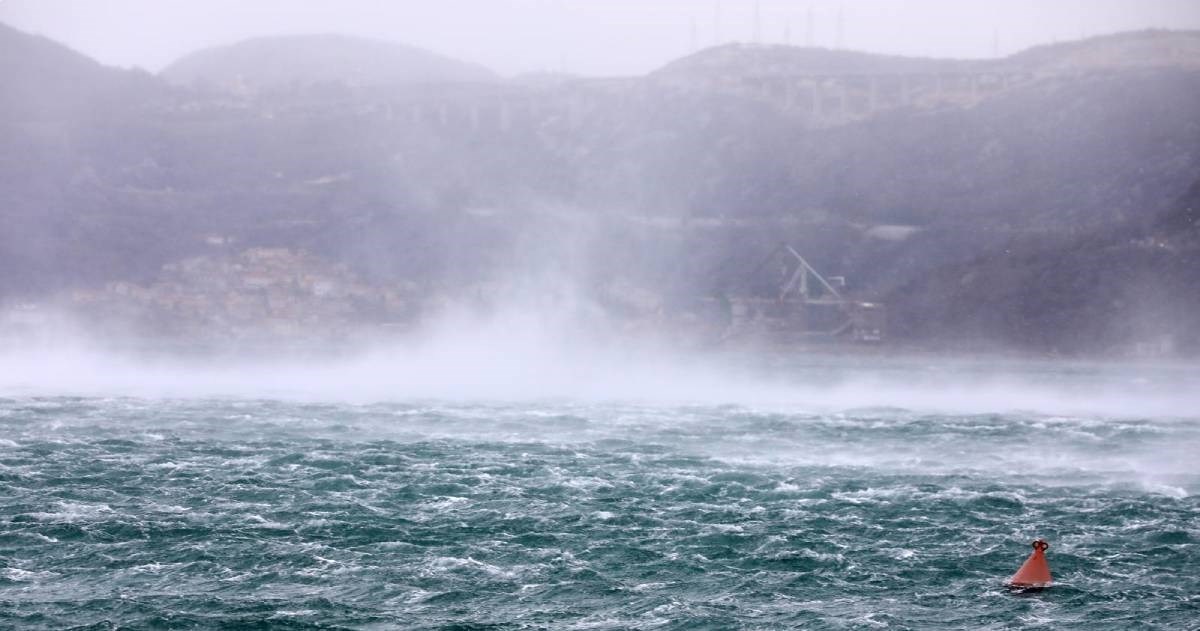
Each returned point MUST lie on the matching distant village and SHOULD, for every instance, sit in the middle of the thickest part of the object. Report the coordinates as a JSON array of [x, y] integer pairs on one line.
[[279, 298], [260, 296]]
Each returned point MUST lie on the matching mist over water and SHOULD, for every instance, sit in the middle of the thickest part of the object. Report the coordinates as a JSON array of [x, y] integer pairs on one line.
[[526, 470], [523, 354], [524, 367]]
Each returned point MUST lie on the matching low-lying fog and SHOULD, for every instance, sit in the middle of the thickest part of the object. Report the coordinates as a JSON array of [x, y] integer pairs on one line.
[[520, 354]]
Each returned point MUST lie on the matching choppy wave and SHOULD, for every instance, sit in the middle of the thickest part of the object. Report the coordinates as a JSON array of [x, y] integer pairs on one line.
[[146, 513]]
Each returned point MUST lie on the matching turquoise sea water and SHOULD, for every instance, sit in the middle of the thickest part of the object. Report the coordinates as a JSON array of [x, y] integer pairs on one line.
[[199, 511]]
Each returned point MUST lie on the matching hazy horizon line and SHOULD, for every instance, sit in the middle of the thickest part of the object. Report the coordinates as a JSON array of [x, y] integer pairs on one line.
[[503, 75]]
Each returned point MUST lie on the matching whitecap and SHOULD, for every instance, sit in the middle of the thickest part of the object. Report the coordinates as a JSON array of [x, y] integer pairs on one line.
[[25, 576], [645, 587], [73, 511], [264, 522]]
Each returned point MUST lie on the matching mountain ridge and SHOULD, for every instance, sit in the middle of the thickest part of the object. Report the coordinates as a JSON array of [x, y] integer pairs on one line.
[[280, 61], [1141, 48], [651, 185]]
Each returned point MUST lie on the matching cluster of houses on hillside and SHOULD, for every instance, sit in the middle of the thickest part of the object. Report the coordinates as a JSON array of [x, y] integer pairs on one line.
[[259, 295], [280, 298]]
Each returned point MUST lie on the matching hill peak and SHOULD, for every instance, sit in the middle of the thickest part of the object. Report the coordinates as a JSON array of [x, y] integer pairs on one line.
[[272, 62], [1121, 50], [796, 60]]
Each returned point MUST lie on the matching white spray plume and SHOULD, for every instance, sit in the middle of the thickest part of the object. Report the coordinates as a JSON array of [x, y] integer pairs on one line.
[[524, 354]]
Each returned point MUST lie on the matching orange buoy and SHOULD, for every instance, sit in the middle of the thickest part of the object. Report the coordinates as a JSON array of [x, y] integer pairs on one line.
[[1035, 572]]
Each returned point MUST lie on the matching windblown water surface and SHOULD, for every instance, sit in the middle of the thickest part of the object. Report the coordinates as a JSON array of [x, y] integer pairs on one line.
[[896, 497]]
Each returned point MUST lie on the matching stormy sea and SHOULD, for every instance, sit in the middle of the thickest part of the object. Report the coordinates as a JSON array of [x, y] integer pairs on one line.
[[821, 494]]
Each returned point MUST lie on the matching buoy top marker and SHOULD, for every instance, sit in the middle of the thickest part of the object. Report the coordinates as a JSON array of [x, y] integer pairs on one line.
[[1035, 572]]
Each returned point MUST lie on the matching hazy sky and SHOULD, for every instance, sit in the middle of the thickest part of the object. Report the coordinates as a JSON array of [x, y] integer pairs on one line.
[[587, 36]]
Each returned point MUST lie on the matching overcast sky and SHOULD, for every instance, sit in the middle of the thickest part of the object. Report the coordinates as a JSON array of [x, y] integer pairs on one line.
[[592, 37]]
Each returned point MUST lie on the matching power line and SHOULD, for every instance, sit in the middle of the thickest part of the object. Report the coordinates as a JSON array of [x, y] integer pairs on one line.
[[808, 30], [717, 23], [840, 41], [757, 39]]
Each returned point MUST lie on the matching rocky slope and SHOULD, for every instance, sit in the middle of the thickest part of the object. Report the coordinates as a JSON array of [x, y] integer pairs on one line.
[[1131, 287]]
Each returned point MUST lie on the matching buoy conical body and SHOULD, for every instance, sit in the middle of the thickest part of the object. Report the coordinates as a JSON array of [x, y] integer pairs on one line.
[[1035, 572]]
